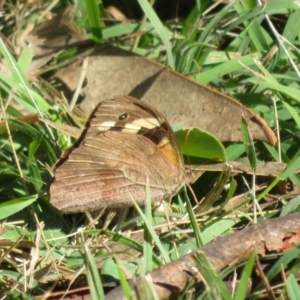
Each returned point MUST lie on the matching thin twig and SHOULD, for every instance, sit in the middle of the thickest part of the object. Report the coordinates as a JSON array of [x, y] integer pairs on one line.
[[80, 82], [280, 40]]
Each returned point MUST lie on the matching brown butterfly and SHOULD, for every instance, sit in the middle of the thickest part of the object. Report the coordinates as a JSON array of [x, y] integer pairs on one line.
[[125, 146]]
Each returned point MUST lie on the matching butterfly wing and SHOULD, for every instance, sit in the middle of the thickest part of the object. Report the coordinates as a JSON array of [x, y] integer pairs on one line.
[[114, 161]]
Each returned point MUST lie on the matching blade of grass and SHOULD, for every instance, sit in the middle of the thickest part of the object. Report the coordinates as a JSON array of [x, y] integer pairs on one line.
[[93, 12], [210, 27], [155, 21], [92, 273], [193, 220], [290, 207], [258, 36], [11, 207], [292, 166], [292, 287], [217, 288], [242, 289], [220, 70], [151, 230], [21, 82], [124, 283]]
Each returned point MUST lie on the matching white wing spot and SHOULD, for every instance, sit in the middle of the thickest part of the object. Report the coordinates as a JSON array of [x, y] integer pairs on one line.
[[136, 125], [105, 126]]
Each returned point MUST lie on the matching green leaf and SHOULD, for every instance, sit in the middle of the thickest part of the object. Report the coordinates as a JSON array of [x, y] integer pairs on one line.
[[200, 144], [11, 207]]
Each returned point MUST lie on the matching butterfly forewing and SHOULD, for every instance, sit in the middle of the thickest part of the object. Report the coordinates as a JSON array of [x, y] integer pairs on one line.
[[125, 146]]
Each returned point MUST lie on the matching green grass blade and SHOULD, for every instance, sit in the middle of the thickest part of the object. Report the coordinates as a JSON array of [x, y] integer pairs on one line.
[[292, 287], [92, 273], [151, 230], [93, 12], [220, 70], [19, 81], [217, 288], [275, 86], [124, 283], [253, 28], [290, 207], [292, 166], [242, 289], [210, 27], [11, 207], [152, 16], [194, 224]]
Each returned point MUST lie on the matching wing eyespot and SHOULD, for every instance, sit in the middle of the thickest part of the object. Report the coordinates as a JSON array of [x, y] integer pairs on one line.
[[123, 117]]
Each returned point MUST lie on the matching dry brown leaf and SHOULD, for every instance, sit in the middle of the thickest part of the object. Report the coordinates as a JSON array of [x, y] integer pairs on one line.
[[52, 37], [113, 71], [29, 119], [114, 13]]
